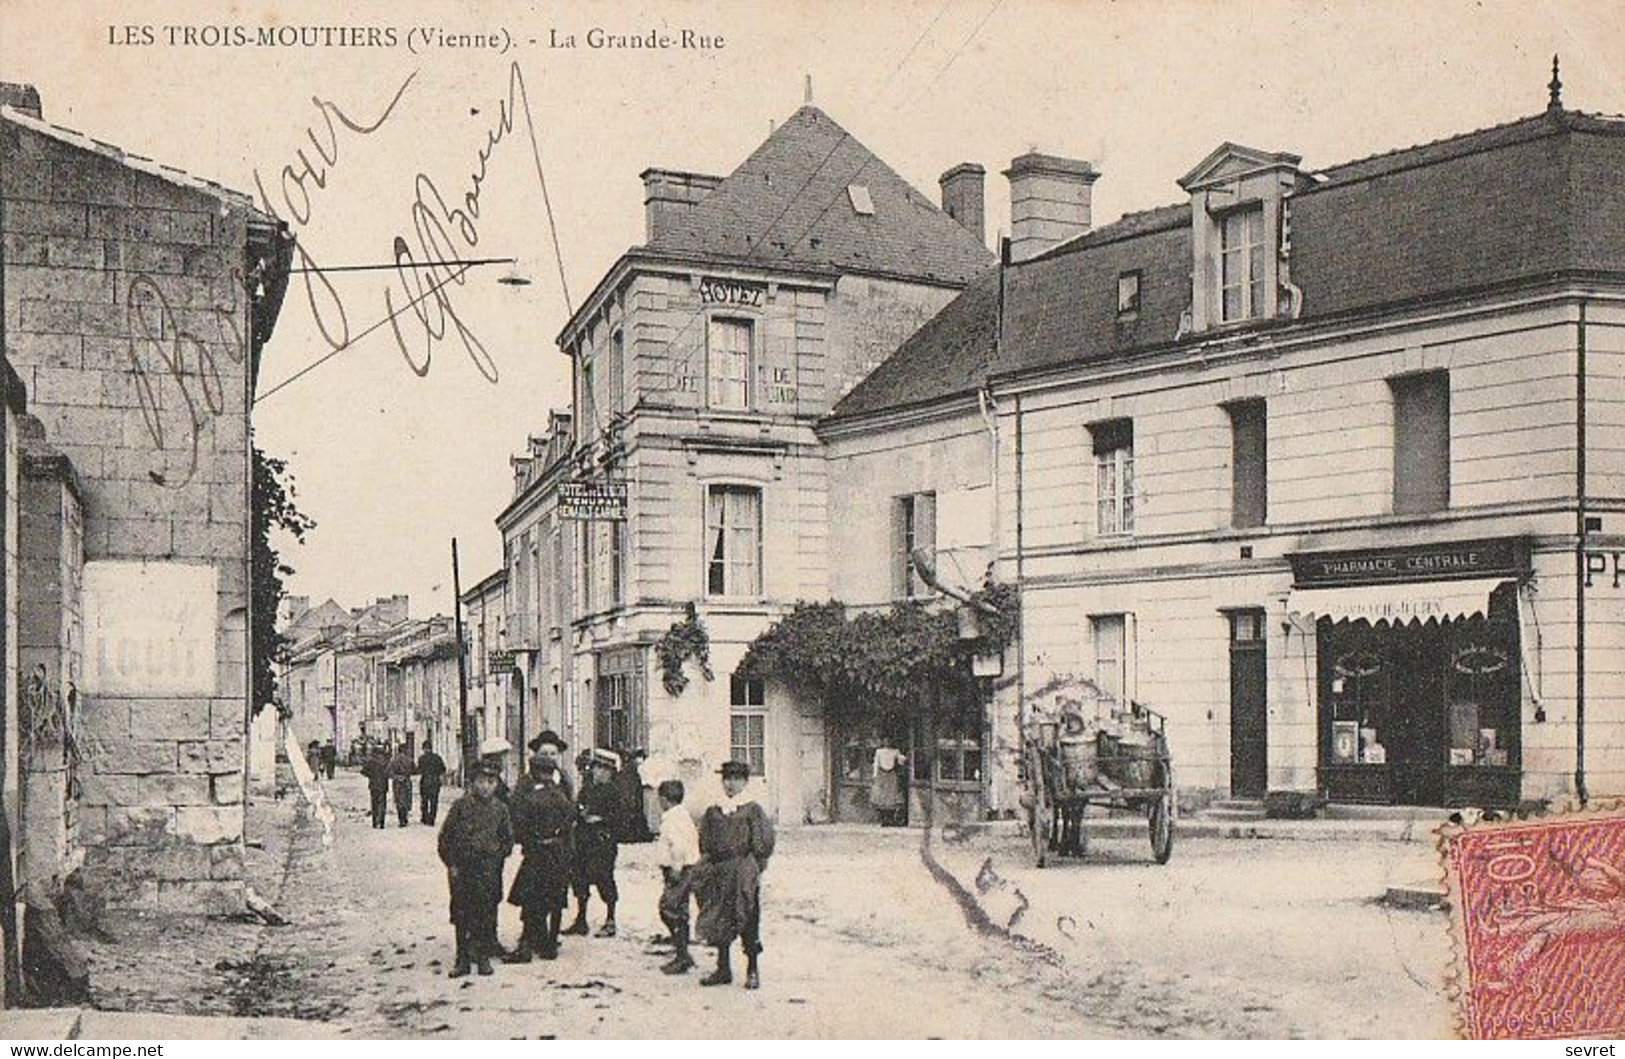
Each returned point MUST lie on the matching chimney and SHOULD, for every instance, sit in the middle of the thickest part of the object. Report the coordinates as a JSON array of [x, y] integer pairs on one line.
[[1049, 202], [962, 197], [668, 195], [21, 97]]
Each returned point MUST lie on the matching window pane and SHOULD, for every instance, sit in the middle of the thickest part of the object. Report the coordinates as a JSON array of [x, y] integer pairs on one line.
[[1248, 463], [1421, 442], [728, 363]]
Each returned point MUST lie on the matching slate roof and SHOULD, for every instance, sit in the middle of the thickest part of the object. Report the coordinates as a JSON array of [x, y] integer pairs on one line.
[[788, 204], [946, 357], [1523, 201]]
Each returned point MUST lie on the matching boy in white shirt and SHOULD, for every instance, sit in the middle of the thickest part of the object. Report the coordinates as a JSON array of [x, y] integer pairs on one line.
[[678, 847]]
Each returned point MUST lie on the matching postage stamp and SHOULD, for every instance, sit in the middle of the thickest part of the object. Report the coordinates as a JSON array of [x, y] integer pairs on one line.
[[1538, 919]]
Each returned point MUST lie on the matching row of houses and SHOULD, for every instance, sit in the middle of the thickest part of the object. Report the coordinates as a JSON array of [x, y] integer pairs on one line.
[[1325, 464], [136, 301], [369, 675]]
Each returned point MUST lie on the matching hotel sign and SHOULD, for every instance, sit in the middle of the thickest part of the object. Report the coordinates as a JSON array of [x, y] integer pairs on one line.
[[501, 661], [586, 501], [1506, 557], [731, 292]]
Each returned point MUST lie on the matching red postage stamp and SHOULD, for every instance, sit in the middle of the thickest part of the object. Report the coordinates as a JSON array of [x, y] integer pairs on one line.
[[1538, 916]]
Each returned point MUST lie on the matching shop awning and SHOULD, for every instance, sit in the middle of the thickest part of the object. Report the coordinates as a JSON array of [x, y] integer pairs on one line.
[[1399, 603]]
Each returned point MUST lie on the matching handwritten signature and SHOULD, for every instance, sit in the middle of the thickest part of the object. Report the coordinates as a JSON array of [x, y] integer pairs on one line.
[[168, 357], [439, 227]]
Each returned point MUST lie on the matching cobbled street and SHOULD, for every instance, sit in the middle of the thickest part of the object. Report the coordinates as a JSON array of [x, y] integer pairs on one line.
[[866, 935]]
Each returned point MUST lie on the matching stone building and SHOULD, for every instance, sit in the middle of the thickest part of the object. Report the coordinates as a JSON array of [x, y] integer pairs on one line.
[[491, 662], [419, 685], [331, 678], [136, 301], [1324, 465], [702, 361]]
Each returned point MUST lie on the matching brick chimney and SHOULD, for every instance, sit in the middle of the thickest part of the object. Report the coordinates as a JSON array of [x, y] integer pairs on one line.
[[668, 195], [21, 97], [963, 197], [1049, 202]]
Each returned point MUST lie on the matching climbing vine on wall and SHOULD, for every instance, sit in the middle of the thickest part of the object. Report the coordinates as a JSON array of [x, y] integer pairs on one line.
[[686, 639], [881, 659]]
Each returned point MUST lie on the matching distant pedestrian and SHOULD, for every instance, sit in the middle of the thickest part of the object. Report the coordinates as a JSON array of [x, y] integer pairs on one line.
[[736, 840], [597, 829], [313, 757], [330, 759], [431, 774], [476, 838], [400, 779], [543, 818], [377, 772], [677, 852]]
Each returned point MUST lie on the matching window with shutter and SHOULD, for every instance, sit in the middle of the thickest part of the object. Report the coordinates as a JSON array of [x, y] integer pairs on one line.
[[1421, 442], [1249, 460]]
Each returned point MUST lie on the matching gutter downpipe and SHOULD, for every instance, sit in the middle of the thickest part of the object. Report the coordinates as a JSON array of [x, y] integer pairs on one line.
[[1021, 608], [1580, 562]]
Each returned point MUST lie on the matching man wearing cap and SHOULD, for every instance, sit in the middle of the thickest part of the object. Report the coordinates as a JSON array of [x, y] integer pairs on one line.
[[431, 774], [736, 840], [474, 841], [543, 815], [377, 772], [597, 828]]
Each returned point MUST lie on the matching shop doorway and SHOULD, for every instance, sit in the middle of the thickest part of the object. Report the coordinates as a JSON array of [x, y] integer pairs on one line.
[[1249, 706]]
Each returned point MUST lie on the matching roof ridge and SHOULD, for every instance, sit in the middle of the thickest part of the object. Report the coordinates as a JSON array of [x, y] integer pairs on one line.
[[1531, 120]]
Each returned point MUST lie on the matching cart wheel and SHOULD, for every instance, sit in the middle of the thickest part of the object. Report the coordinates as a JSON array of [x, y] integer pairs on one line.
[[1162, 828]]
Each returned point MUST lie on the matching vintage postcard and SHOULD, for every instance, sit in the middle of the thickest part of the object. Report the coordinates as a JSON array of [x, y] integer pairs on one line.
[[919, 519]]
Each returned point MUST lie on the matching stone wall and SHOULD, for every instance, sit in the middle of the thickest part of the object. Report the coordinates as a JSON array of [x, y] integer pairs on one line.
[[126, 316]]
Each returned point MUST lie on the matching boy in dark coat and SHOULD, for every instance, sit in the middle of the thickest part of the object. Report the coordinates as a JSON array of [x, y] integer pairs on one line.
[[543, 815], [736, 839], [476, 838], [597, 831], [377, 772], [431, 774]]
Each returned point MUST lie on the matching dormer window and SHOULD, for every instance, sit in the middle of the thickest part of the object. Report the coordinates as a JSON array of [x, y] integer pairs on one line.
[[1128, 295], [1238, 210], [1241, 265]]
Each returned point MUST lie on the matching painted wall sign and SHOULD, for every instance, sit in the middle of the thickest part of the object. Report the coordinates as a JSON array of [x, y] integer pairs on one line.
[[1434, 562], [586, 501], [150, 628], [1605, 569], [731, 292]]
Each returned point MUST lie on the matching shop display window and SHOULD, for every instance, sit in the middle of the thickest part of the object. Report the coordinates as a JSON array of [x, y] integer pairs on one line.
[[1360, 681]]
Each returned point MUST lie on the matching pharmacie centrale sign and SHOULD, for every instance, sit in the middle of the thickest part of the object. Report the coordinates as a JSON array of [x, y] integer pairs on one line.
[[588, 501], [1439, 562]]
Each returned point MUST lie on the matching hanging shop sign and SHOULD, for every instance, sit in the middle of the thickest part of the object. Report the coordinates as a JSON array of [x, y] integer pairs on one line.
[[501, 661], [589, 501], [1457, 560]]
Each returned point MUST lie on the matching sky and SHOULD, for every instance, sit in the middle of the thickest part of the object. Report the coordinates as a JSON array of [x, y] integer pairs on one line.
[[399, 442]]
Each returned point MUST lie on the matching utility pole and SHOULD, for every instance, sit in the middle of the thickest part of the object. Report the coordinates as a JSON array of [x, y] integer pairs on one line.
[[462, 666]]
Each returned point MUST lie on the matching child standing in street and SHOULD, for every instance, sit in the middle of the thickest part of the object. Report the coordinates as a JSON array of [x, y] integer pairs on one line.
[[476, 838], [679, 850]]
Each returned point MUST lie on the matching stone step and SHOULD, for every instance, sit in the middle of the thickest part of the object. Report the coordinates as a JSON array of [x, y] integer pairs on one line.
[[1216, 812], [1425, 896]]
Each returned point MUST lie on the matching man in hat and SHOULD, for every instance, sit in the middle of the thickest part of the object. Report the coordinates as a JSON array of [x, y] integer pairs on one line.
[[495, 750], [548, 749], [543, 816], [736, 840], [431, 774], [474, 841], [401, 768], [597, 830], [377, 772]]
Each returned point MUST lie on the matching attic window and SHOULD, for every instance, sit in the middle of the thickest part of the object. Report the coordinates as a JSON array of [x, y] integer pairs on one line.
[[861, 202], [1128, 295]]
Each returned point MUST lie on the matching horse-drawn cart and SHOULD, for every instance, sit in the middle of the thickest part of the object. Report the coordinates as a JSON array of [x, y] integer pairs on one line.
[[1112, 755]]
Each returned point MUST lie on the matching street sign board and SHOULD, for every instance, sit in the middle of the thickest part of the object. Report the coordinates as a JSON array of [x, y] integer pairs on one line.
[[502, 660], [589, 501]]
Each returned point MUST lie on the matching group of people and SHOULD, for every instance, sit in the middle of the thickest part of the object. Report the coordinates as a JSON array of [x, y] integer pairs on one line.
[[569, 843], [388, 772], [323, 758]]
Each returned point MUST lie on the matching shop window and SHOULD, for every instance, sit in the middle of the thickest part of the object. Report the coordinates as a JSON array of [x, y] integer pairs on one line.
[[748, 741], [1241, 266], [1249, 461], [1110, 642], [914, 525], [733, 541], [1113, 443], [959, 747], [1421, 442], [728, 363]]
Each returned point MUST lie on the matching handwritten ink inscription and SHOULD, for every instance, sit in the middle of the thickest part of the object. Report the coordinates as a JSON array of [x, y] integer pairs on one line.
[[178, 384]]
